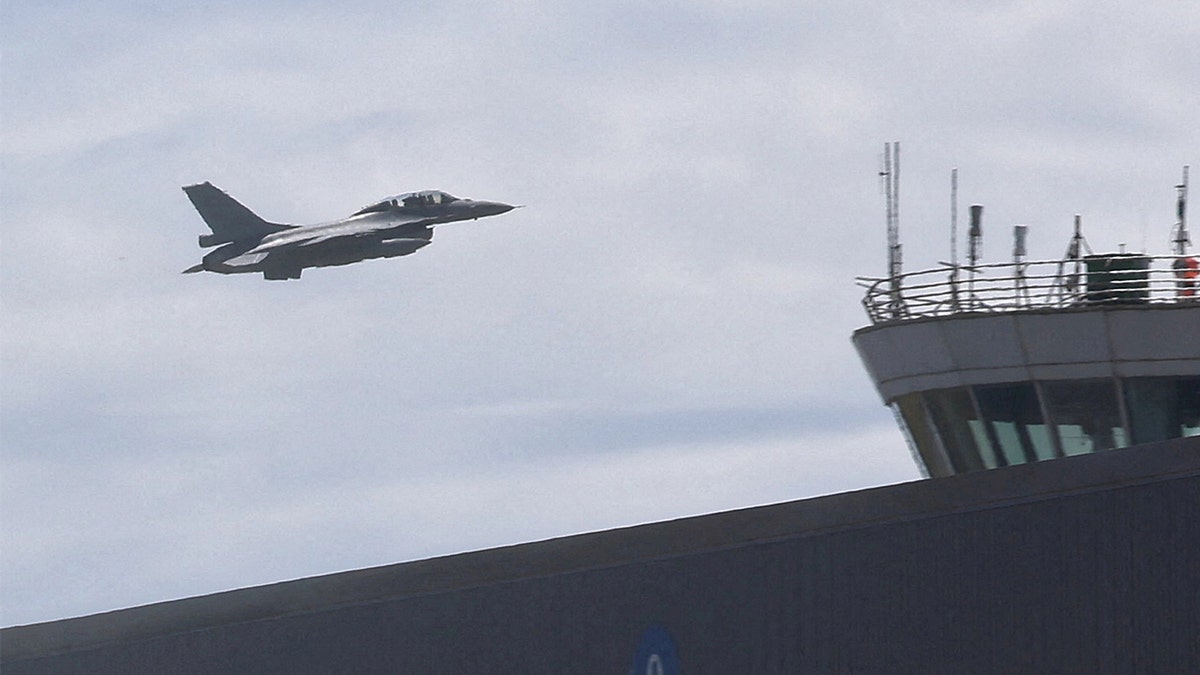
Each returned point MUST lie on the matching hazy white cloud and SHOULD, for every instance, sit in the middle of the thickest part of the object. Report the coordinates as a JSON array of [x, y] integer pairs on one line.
[[190, 524]]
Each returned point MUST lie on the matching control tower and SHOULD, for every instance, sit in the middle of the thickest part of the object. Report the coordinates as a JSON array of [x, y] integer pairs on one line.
[[990, 365]]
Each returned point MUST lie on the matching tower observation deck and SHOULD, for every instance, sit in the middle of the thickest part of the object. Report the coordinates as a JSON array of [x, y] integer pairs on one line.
[[991, 365]]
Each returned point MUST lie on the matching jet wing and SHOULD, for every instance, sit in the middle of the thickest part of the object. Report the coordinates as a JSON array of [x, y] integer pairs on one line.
[[344, 238], [330, 238], [352, 236], [317, 239]]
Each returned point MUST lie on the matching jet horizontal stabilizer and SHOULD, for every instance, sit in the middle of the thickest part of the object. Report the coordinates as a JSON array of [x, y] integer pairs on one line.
[[209, 240]]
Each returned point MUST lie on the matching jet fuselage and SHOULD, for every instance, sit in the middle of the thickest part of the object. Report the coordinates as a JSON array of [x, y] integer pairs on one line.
[[392, 227]]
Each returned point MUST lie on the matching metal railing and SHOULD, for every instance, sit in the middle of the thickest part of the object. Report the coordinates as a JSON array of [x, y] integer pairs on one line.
[[1095, 280]]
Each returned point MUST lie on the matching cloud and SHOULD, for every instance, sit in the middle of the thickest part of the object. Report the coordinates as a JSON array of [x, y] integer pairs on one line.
[[193, 523]]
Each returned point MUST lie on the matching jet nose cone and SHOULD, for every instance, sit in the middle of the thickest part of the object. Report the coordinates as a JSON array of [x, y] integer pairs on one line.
[[499, 207], [491, 208]]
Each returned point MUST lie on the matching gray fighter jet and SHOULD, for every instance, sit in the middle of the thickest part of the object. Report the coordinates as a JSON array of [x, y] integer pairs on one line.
[[392, 227]]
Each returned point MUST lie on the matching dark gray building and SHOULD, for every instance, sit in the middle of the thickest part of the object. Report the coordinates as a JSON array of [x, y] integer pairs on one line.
[[1089, 564]]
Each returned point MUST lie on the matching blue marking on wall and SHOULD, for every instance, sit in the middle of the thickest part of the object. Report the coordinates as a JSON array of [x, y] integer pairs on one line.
[[656, 653]]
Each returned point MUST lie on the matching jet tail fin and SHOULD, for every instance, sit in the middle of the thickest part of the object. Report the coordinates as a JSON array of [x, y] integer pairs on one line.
[[226, 217]]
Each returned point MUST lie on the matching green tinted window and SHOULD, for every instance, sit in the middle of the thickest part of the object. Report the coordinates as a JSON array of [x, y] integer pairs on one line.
[[912, 412], [1015, 422], [1085, 415], [958, 425], [1162, 407]]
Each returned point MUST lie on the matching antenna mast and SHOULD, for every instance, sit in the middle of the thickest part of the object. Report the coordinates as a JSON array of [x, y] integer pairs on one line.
[[974, 246], [891, 176], [954, 238], [1020, 233], [1182, 240], [1068, 284], [954, 219]]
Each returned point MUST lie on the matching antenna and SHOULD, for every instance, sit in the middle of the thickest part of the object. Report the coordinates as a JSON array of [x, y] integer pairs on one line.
[[954, 218], [1182, 240], [891, 176], [1020, 284], [1019, 235], [1078, 242], [975, 235], [1067, 283], [974, 245], [954, 238]]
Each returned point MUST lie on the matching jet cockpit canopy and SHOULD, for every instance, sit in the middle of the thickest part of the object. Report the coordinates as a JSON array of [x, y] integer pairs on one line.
[[424, 198]]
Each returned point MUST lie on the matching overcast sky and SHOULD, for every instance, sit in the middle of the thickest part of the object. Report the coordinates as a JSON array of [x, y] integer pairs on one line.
[[664, 331]]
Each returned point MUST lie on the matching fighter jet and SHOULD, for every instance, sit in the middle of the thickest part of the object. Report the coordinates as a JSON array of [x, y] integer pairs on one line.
[[392, 227]]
